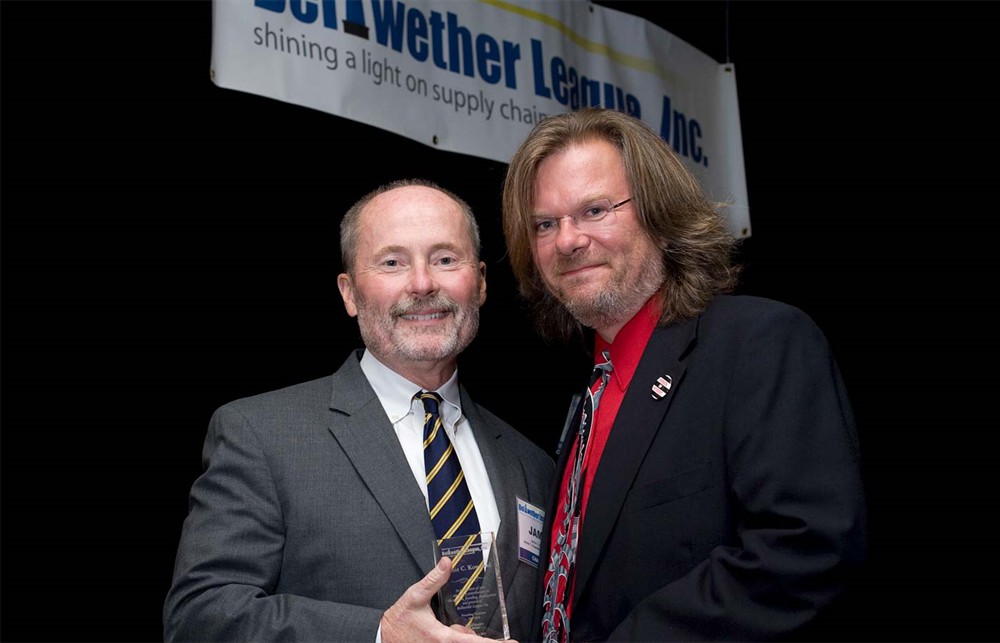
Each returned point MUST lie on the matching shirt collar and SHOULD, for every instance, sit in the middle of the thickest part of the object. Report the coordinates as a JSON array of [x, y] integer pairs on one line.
[[630, 342], [395, 392]]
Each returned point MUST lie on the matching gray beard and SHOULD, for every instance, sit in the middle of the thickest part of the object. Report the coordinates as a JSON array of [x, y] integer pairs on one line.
[[377, 331], [616, 305]]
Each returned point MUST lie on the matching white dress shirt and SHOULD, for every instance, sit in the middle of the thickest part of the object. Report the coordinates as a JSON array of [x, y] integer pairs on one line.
[[396, 393]]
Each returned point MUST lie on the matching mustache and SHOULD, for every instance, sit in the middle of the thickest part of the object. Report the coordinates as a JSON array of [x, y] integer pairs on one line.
[[573, 262], [414, 304]]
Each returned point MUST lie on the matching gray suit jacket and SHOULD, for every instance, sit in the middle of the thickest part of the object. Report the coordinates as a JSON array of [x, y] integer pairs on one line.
[[307, 524]]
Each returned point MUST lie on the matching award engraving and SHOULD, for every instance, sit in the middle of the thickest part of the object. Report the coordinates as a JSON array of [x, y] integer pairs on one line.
[[473, 595]]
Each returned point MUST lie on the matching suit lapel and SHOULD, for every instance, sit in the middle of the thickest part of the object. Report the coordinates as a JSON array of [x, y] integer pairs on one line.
[[637, 423], [507, 479], [360, 426], [556, 488]]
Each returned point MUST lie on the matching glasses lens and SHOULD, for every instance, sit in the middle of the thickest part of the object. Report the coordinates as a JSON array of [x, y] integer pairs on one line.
[[593, 213]]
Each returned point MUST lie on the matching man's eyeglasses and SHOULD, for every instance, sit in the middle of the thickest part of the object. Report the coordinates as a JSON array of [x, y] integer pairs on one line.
[[593, 216]]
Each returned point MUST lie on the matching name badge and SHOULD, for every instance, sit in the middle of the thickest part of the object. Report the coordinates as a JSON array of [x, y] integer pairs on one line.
[[529, 530]]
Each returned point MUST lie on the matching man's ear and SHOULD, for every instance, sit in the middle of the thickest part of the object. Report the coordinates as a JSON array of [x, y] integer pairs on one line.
[[482, 283], [347, 293]]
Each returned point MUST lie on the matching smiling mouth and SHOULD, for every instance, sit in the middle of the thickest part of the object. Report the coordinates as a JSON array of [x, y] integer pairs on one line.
[[424, 316], [577, 270]]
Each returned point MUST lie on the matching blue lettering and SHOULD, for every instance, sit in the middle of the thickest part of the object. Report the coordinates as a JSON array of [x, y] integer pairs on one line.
[[612, 96], [537, 65], [459, 36], [388, 23], [570, 88], [277, 6], [488, 57], [523, 508], [559, 89], [590, 92], [632, 106], [451, 45], [416, 35], [683, 134], [694, 133]]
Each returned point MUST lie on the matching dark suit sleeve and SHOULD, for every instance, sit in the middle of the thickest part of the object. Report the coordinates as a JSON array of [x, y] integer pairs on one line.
[[794, 483], [230, 555]]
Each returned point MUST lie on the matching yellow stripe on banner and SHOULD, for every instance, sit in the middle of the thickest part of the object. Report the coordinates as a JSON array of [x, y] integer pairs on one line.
[[472, 579], [440, 463], [444, 499], [458, 523], [628, 60]]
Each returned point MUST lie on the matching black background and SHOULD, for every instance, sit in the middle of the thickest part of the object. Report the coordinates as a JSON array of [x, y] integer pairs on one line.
[[169, 246]]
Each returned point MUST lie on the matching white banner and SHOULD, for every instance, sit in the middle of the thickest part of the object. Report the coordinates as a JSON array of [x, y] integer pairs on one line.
[[474, 76]]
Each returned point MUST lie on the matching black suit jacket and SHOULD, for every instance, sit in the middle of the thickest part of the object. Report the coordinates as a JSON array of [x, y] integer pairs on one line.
[[732, 508]]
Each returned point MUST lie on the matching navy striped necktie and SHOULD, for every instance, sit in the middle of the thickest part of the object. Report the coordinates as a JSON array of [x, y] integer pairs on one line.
[[448, 497], [449, 501]]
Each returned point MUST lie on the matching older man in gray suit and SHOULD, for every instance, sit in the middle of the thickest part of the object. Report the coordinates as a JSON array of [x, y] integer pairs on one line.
[[310, 521]]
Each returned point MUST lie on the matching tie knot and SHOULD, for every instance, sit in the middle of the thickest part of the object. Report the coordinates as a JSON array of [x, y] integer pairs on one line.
[[431, 401], [602, 369]]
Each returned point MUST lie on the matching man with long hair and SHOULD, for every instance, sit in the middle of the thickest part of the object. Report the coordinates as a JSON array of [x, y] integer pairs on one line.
[[711, 487]]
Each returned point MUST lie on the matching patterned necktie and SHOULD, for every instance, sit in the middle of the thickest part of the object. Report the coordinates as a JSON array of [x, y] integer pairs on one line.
[[449, 501], [562, 558]]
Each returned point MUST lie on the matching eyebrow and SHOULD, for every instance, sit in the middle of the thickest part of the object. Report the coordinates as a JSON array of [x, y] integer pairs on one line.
[[579, 204]]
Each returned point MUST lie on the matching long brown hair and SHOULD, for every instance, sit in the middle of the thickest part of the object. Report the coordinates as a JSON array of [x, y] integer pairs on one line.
[[673, 210]]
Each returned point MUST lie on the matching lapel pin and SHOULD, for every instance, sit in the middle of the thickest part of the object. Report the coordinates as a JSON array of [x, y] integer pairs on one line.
[[661, 387]]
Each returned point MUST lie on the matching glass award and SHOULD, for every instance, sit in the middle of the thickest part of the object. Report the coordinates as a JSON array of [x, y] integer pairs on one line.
[[473, 595]]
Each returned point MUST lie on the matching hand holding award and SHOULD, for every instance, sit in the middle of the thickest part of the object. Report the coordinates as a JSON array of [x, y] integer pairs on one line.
[[473, 596]]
